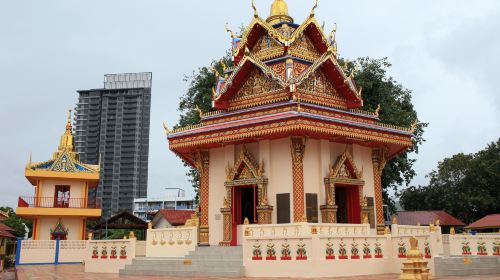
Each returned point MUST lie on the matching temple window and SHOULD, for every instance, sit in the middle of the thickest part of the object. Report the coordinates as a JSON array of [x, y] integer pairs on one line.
[[312, 207], [61, 197], [283, 208]]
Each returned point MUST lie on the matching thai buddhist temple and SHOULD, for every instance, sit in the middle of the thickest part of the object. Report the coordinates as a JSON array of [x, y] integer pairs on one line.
[[61, 205], [288, 140]]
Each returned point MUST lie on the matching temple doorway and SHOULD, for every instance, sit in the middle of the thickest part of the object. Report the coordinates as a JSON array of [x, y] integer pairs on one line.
[[244, 206], [347, 200]]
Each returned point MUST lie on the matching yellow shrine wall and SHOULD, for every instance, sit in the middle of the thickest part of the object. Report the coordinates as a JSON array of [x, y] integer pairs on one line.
[[74, 226], [47, 190], [275, 154]]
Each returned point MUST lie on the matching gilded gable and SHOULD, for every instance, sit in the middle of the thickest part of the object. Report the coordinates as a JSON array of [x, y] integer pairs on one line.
[[303, 48], [257, 84], [317, 83], [264, 43]]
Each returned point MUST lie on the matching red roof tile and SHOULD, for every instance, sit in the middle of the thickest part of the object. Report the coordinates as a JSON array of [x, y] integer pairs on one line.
[[427, 217], [7, 234], [490, 221], [4, 227], [4, 231], [176, 217]]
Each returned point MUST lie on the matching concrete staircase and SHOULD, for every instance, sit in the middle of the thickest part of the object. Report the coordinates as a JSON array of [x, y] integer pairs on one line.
[[203, 262], [473, 265]]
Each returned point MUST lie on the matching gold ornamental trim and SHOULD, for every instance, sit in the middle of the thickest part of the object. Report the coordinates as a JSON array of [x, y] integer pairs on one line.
[[289, 126]]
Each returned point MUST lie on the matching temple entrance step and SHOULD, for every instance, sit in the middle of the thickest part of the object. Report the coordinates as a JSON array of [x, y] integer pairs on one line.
[[203, 262], [470, 265]]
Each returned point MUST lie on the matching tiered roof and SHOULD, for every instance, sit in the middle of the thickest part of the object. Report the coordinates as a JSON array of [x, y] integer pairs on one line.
[[65, 162], [286, 81]]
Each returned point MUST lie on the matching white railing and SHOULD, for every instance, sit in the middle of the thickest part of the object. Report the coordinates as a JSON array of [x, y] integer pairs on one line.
[[111, 249], [479, 245], [109, 256], [411, 230], [72, 251], [171, 242], [305, 229], [37, 251], [332, 250]]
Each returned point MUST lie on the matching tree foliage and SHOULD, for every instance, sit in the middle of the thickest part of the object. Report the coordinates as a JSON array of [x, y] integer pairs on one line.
[[397, 109], [466, 186], [17, 223], [378, 88]]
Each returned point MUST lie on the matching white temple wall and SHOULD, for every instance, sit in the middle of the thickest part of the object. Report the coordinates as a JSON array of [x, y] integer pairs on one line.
[[363, 160], [216, 193], [280, 176], [313, 175]]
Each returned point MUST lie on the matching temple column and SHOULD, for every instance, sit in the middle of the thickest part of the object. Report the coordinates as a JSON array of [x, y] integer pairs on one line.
[[264, 210], [298, 146], [227, 219], [379, 161], [203, 166], [329, 210]]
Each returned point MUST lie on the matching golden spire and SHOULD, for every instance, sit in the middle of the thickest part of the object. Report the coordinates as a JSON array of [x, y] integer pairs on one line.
[[67, 141], [279, 13]]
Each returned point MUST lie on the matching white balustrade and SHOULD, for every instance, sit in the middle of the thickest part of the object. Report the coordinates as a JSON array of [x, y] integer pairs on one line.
[[479, 245], [171, 242], [109, 256]]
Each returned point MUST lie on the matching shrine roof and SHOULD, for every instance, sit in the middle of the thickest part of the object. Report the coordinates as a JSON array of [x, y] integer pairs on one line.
[[427, 218], [65, 162]]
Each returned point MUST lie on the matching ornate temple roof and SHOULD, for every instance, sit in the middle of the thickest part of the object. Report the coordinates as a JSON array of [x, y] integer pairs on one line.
[[65, 162], [286, 81]]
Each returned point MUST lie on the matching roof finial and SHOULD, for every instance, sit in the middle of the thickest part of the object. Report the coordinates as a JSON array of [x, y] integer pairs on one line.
[[230, 31], [68, 124], [279, 13], [255, 13], [314, 8]]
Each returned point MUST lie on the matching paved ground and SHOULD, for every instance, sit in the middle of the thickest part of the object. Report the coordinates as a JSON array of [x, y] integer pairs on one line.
[[75, 272], [7, 275]]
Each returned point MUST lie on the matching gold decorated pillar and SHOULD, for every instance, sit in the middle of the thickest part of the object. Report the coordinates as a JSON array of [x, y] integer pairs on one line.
[[329, 210], [379, 160], [203, 166], [264, 210], [298, 147], [227, 231]]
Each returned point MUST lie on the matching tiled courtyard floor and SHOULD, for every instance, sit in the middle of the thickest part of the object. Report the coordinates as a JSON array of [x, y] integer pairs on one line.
[[75, 272]]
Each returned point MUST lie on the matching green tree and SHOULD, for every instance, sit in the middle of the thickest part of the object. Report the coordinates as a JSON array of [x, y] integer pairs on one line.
[[397, 109], [199, 96], [466, 186], [378, 88], [17, 223]]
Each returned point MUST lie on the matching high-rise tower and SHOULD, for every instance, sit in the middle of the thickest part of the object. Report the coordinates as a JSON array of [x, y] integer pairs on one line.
[[112, 124]]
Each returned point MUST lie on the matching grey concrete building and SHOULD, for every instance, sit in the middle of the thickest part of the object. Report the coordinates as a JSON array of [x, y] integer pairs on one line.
[[112, 127]]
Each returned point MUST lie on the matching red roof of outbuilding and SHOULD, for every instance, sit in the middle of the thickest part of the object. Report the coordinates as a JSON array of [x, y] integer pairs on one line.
[[4, 231], [427, 217], [176, 217], [490, 221]]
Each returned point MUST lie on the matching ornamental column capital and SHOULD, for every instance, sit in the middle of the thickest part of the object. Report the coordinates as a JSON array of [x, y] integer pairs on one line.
[[202, 160], [379, 158], [298, 148]]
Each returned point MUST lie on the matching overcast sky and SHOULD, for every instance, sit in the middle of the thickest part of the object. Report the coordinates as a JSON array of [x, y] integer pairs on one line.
[[447, 52]]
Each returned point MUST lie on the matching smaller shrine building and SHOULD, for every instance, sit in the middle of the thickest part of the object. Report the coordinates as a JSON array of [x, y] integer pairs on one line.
[[61, 203]]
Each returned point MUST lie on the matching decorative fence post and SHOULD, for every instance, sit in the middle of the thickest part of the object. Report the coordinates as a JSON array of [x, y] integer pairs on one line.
[[18, 250]]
